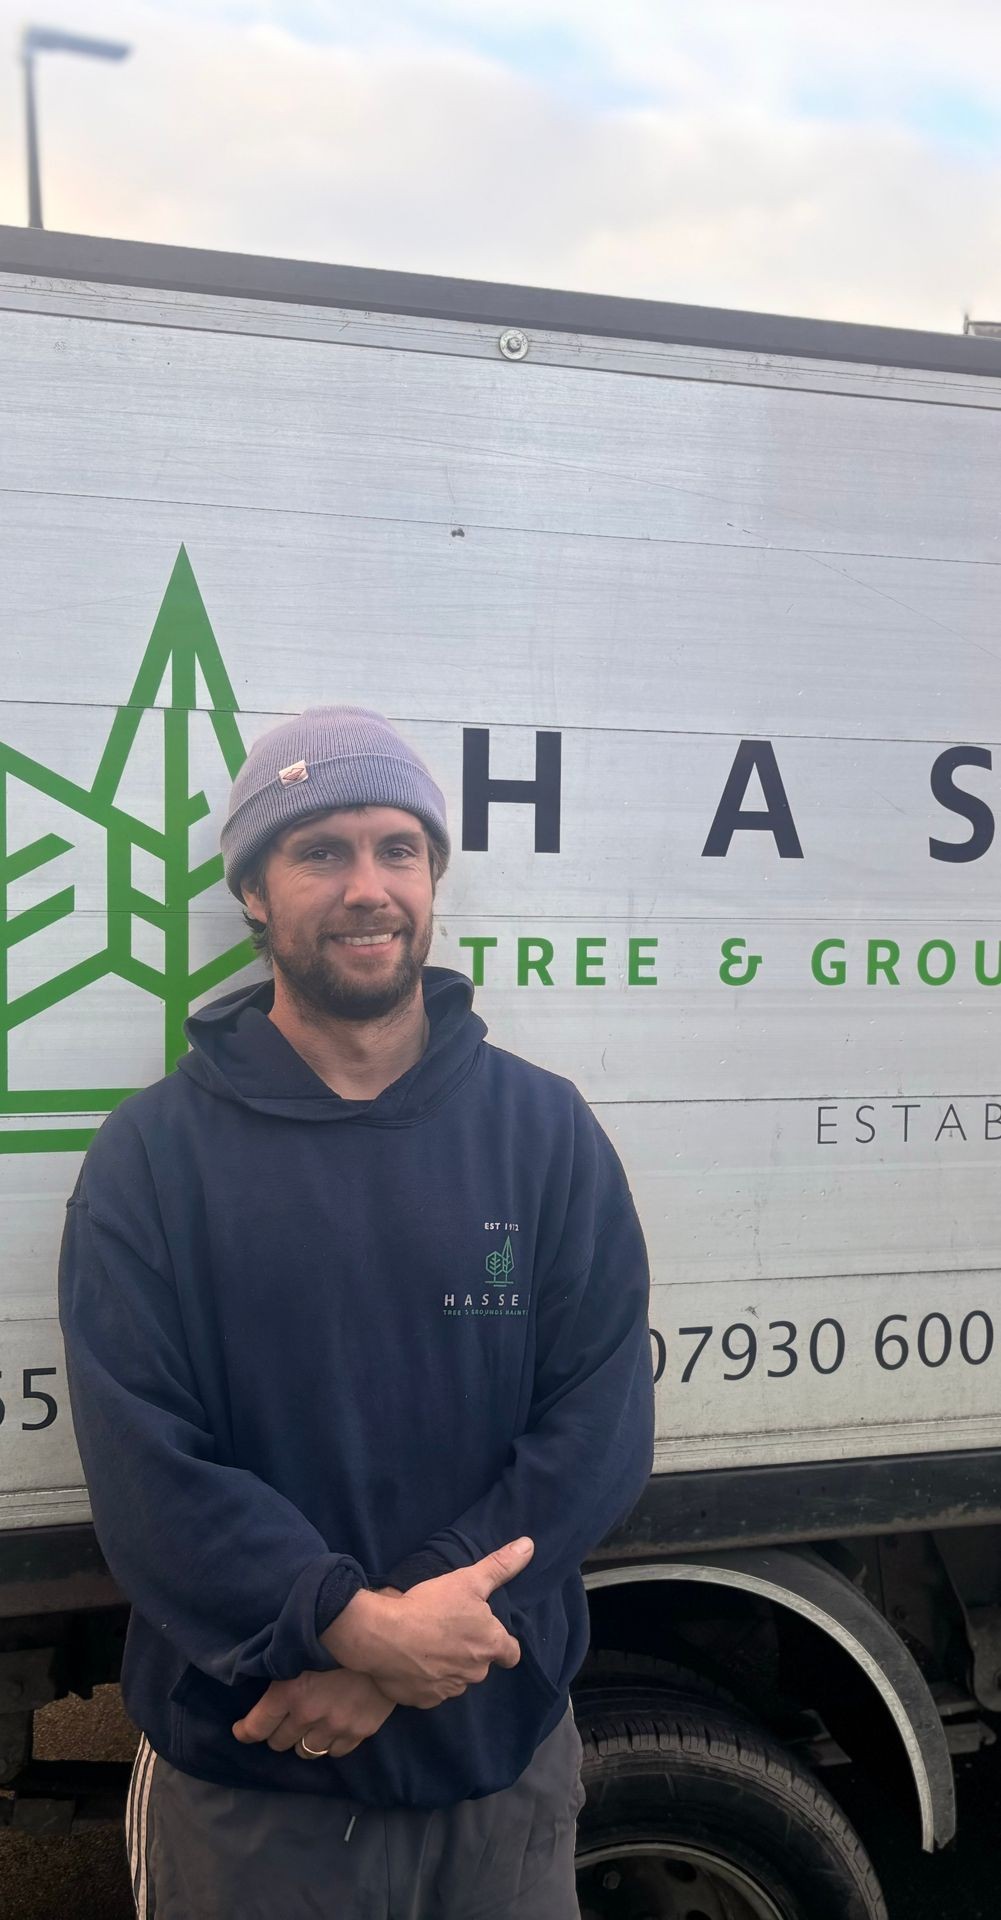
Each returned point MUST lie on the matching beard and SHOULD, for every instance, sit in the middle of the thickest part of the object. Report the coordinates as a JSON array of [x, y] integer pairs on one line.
[[310, 969]]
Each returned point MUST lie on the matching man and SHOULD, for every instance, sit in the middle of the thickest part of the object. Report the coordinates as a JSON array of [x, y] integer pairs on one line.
[[355, 1311]]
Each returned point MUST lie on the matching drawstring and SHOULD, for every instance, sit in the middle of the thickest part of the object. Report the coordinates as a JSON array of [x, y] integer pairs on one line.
[[350, 1827]]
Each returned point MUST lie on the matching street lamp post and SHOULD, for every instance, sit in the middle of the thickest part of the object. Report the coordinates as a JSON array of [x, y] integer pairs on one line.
[[51, 40]]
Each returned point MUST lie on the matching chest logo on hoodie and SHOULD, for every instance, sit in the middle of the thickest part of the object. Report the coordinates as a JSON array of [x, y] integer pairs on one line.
[[501, 1299], [500, 1266]]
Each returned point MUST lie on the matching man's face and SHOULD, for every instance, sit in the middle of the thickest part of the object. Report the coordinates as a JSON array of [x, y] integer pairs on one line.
[[354, 875]]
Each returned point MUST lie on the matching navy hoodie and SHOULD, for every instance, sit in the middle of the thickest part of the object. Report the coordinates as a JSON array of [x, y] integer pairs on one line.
[[315, 1344]]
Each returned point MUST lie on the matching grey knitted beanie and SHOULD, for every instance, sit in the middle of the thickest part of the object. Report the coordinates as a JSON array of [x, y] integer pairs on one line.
[[326, 757]]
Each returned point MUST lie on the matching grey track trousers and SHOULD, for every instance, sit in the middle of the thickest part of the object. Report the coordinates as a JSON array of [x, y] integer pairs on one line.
[[202, 1852]]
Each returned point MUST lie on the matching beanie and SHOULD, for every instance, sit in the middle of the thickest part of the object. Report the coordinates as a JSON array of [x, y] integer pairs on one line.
[[323, 758]]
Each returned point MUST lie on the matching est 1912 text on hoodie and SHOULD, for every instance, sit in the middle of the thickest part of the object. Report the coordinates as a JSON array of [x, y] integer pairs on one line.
[[315, 1344]]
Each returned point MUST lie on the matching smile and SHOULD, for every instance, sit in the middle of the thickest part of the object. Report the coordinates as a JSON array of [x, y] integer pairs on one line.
[[364, 939]]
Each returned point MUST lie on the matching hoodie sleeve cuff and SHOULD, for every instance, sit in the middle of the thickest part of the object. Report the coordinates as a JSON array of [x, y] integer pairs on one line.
[[426, 1564], [338, 1587], [321, 1592]]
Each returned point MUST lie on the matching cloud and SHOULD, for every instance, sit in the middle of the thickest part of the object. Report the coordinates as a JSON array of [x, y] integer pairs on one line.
[[769, 157]]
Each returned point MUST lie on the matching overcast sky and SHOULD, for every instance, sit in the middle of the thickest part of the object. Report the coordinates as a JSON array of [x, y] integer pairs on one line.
[[786, 155]]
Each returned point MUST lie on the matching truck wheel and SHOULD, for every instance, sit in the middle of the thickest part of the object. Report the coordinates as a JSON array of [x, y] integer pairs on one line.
[[697, 1815], [614, 1683]]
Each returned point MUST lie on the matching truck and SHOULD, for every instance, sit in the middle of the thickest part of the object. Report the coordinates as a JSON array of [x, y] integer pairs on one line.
[[695, 616]]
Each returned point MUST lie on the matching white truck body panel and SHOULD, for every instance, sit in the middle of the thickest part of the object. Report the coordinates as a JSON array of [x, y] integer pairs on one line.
[[654, 553]]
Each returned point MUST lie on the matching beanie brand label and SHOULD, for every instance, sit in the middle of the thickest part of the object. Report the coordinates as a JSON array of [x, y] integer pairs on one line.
[[289, 776]]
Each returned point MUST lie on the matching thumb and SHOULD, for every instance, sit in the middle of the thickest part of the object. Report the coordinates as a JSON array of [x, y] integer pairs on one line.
[[496, 1569]]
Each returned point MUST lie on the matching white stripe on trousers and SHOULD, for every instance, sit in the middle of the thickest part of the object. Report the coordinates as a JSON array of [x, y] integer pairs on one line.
[[135, 1823]]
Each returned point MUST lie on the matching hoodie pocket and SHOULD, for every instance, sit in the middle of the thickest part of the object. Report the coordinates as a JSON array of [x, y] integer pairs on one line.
[[543, 1686], [203, 1711]]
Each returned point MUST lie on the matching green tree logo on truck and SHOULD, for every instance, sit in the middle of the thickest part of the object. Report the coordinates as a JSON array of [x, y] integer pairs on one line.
[[182, 646]]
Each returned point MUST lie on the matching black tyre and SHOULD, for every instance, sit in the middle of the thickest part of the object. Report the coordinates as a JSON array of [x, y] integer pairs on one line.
[[617, 1683], [693, 1813]]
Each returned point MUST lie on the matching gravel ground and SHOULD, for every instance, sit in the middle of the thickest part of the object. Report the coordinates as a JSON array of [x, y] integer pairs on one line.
[[85, 1878], [82, 1877]]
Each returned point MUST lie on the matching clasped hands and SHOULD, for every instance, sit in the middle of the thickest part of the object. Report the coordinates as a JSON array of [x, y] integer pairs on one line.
[[394, 1649]]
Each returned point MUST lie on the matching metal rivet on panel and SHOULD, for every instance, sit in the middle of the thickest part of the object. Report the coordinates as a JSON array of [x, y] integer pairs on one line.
[[513, 343]]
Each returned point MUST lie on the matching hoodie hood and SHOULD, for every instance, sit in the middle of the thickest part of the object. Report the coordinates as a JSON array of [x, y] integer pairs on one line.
[[237, 1053]]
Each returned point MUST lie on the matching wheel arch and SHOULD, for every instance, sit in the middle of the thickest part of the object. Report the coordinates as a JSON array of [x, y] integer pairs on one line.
[[802, 1582]]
